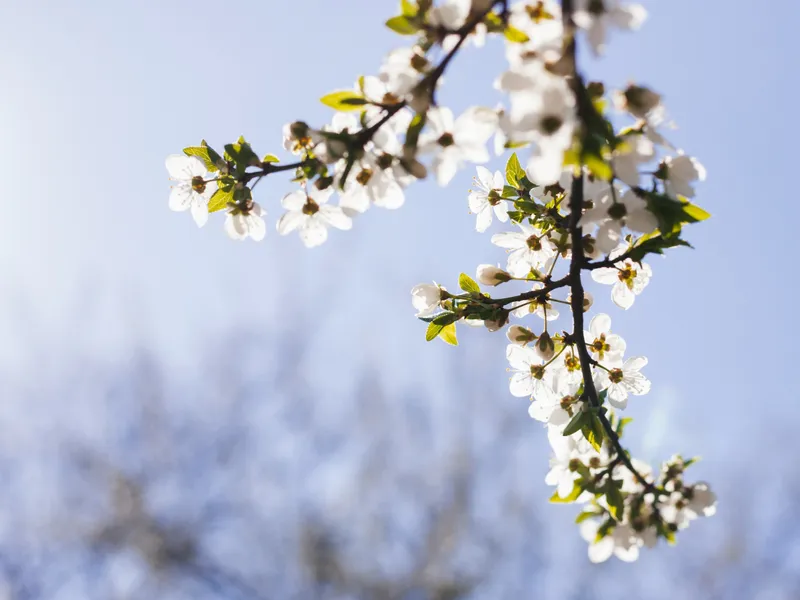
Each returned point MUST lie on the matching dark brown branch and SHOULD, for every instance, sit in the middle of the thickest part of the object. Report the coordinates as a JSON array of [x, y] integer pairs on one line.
[[578, 263]]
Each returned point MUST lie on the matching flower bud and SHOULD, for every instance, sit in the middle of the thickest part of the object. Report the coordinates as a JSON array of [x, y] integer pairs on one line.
[[637, 100], [411, 165], [500, 320], [425, 298], [545, 347], [298, 130], [420, 100], [520, 335], [491, 275], [323, 183]]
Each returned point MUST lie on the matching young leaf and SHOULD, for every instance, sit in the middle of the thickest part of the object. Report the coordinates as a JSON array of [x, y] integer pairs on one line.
[[577, 489], [219, 200], [201, 152], [515, 35], [270, 158], [466, 283], [448, 334], [694, 212], [598, 167], [592, 434], [604, 530], [509, 192], [616, 502], [445, 318], [408, 8], [433, 331], [586, 515], [344, 100], [402, 25], [576, 423], [514, 171], [655, 245]]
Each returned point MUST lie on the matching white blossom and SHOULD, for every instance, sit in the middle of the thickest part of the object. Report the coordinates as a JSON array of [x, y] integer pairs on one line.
[[402, 70], [297, 138], [597, 16], [530, 377], [487, 198], [627, 277], [546, 116], [613, 213], [621, 542], [192, 190], [549, 406], [635, 150], [682, 172], [622, 380], [565, 450], [425, 298], [243, 223], [602, 344], [450, 14], [309, 213], [528, 248], [457, 141]]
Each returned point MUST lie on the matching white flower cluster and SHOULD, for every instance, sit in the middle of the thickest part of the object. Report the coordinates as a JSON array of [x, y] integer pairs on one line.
[[542, 113], [548, 370], [584, 194]]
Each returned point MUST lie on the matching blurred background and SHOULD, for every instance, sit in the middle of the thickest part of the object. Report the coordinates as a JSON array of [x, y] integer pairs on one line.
[[183, 416]]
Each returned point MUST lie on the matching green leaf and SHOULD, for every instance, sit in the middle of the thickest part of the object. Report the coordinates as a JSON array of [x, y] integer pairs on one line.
[[616, 503], [402, 25], [690, 461], [445, 318], [671, 213], [270, 158], [583, 516], [514, 171], [655, 245], [577, 489], [598, 167], [344, 100], [693, 211], [448, 334], [621, 425], [515, 35], [242, 154], [576, 423], [466, 283], [409, 9], [593, 432], [516, 216], [527, 206], [509, 192], [202, 152], [220, 199], [493, 22], [433, 331], [414, 129], [604, 530], [665, 532]]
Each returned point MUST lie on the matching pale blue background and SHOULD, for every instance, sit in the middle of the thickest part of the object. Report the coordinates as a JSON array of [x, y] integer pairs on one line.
[[94, 95]]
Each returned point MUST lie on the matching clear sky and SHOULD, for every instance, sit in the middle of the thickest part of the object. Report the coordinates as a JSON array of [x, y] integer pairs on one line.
[[95, 94]]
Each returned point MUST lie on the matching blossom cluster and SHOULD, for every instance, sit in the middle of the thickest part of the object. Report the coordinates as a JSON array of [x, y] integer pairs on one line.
[[594, 185]]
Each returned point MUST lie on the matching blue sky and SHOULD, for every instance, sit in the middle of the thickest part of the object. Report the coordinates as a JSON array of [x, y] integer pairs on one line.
[[96, 94]]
